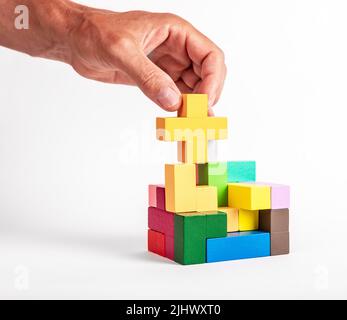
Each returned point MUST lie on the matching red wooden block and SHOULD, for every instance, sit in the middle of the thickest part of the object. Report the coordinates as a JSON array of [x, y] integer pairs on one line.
[[156, 242]]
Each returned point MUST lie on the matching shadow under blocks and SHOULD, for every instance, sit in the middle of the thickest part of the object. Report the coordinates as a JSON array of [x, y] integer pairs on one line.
[[212, 211]]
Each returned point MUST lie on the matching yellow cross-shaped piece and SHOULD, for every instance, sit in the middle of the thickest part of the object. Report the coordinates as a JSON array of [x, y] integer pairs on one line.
[[193, 128]]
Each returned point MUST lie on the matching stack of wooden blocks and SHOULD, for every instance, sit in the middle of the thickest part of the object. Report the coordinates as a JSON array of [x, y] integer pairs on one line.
[[212, 211]]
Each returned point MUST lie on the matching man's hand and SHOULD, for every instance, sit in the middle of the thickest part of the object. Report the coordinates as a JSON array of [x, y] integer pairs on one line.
[[162, 54]]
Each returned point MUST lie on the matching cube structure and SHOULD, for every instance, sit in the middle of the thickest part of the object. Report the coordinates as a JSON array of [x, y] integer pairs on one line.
[[212, 211]]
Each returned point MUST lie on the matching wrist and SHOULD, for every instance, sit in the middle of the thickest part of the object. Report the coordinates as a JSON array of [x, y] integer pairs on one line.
[[57, 19]]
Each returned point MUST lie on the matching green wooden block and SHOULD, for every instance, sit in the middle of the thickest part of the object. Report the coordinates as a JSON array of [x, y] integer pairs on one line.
[[190, 235], [216, 225], [241, 171], [215, 174], [191, 232]]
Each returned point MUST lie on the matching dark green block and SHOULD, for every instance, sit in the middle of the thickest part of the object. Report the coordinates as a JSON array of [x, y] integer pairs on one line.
[[215, 174], [191, 232], [216, 225], [202, 174], [190, 235], [241, 171]]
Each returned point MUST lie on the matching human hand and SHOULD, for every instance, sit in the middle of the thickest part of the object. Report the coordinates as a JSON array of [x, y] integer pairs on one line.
[[162, 54]]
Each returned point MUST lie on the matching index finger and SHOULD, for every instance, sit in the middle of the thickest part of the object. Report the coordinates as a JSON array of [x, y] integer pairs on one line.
[[204, 53]]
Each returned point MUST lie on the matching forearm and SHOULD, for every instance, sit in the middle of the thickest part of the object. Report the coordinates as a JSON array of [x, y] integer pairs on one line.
[[50, 23]]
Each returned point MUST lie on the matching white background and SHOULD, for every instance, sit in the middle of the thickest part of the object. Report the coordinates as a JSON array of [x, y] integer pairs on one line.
[[76, 157]]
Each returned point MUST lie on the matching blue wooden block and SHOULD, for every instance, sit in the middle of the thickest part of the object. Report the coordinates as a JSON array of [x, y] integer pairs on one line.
[[238, 245], [241, 171]]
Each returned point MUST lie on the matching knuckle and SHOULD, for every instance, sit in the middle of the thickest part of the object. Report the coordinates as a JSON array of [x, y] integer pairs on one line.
[[148, 80], [123, 43], [221, 54]]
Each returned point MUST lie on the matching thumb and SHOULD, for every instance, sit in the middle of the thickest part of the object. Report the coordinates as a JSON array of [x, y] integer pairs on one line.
[[153, 81]]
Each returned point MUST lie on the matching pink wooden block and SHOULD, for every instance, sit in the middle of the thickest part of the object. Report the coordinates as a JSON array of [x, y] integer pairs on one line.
[[161, 221], [169, 247], [280, 195], [155, 195], [152, 195]]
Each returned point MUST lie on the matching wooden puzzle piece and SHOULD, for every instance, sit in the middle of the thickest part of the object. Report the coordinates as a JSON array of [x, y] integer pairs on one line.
[[156, 242], [193, 150], [215, 174], [191, 232], [180, 187], [241, 171], [192, 129], [206, 198], [248, 220], [274, 220], [170, 247], [183, 129], [232, 218], [238, 245], [280, 195], [161, 221], [152, 195], [249, 196], [194, 106], [279, 243], [156, 196]]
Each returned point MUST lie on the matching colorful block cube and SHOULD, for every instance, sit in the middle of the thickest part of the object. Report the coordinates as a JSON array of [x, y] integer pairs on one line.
[[212, 211]]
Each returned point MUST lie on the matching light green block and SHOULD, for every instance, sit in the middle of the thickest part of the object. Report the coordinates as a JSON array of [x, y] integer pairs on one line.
[[215, 174]]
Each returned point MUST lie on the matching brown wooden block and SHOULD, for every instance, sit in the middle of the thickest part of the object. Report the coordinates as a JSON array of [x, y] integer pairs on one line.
[[274, 220], [279, 243]]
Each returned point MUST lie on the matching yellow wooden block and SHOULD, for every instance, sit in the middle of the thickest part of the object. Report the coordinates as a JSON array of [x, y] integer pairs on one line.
[[249, 196], [248, 220], [194, 106], [193, 151], [232, 218], [180, 187], [206, 198], [183, 129]]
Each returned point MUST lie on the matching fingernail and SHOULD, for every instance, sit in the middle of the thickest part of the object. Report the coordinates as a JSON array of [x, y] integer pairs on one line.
[[168, 98]]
